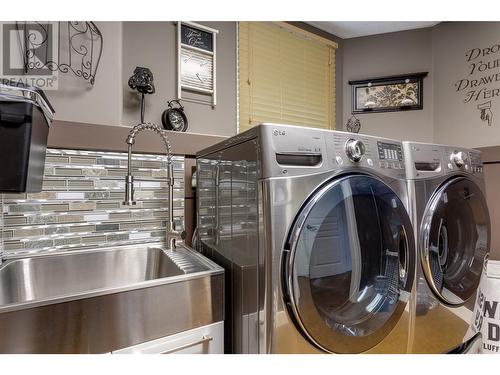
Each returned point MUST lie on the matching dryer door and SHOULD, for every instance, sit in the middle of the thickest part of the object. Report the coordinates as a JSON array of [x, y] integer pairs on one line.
[[350, 264], [455, 235]]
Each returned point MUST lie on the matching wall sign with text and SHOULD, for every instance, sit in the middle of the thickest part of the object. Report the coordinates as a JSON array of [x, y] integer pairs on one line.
[[196, 54], [480, 85]]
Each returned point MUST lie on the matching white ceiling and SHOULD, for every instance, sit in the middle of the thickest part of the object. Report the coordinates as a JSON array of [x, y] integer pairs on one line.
[[353, 29]]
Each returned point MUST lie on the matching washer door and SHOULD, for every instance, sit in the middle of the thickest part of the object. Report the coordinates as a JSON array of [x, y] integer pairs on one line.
[[350, 264], [455, 240]]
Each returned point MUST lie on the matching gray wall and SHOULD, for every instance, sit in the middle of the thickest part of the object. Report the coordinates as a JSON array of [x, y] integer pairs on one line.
[[77, 100], [153, 45], [441, 51], [385, 55], [455, 121]]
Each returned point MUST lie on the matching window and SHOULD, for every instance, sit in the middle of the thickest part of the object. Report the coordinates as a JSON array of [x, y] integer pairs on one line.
[[286, 76]]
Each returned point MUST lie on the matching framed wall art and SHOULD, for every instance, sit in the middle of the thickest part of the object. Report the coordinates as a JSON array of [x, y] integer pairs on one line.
[[196, 54], [388, 94]]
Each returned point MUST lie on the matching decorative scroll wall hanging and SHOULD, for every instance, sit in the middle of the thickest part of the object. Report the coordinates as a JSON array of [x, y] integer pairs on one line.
[[388, 94], [79, 47]]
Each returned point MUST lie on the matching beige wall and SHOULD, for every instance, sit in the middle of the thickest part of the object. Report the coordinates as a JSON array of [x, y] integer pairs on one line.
[[455, 121], [385, 55]]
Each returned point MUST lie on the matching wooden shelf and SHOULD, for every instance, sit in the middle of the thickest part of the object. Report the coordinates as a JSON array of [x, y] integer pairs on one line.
[[84, 136]]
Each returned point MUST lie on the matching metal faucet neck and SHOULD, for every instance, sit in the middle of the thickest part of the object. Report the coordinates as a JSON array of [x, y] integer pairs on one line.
[[172, 235]]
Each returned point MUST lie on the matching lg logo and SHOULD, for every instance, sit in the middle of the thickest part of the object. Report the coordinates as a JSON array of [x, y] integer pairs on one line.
[[277, 132]]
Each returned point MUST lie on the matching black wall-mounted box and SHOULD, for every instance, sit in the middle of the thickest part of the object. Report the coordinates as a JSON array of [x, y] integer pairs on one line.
[[24, 129]]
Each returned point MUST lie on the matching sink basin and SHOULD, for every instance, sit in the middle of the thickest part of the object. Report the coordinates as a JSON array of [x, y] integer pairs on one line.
[[74, 273], [98, 301]]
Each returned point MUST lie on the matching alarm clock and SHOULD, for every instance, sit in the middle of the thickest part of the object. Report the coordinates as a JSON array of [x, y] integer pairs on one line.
[[174, 118]]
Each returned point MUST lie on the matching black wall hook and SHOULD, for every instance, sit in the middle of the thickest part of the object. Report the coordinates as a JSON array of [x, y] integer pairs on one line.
[[142, 81]]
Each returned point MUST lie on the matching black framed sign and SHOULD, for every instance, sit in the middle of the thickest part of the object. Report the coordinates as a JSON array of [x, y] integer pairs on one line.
[[195, 37], [388, 94], [196, 64]]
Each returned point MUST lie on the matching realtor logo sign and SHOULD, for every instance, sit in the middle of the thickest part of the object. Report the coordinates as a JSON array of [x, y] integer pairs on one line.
[[29, 50]]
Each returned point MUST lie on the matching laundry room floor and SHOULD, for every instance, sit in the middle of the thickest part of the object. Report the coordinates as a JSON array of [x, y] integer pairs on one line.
[[438, 330]]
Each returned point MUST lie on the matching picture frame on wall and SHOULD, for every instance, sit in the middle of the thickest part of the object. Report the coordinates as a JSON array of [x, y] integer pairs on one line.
[[196, 60], [388, 94]]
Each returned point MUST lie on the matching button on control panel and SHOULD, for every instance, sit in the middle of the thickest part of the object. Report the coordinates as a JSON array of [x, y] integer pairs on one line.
[[390, 155], [476, 163]]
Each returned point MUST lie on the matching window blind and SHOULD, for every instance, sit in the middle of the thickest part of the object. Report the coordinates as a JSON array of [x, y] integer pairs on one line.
[[285, 77]]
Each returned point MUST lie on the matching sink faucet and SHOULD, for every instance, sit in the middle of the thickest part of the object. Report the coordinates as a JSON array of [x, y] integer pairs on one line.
[[172, 235]]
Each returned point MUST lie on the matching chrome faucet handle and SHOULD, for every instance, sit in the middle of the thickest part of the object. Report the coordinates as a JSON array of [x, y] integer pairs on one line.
[[150, 126], [129, 191], [172, 235], [129, 179], [175, 236]]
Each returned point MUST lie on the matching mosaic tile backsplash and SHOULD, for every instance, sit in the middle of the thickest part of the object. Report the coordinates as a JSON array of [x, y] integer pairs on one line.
[[81, 203]]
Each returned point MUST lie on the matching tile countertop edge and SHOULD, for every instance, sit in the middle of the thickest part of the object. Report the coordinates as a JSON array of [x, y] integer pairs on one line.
[[84, 136]]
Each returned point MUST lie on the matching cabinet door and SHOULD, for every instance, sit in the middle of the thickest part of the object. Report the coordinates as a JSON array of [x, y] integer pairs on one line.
[[204, 340]]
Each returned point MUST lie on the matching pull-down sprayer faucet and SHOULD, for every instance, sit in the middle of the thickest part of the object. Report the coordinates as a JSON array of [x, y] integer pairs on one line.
[[172, 235]]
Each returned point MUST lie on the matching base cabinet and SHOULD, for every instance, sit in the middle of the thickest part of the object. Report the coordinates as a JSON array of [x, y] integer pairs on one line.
[[208, 339]]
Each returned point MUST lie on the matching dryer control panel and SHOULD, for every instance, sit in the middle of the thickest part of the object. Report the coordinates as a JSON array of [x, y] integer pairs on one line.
[[425, 160], [462, 159]]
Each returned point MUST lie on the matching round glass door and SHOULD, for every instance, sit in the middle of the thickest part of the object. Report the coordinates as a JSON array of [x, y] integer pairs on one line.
[[455, 240], [349, 270]]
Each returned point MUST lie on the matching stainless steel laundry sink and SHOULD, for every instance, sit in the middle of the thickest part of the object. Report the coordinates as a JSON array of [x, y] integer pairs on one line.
[[96, 301], [73, 273]]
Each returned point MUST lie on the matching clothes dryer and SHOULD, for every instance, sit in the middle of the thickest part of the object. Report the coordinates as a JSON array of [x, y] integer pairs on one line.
[[452, 234]]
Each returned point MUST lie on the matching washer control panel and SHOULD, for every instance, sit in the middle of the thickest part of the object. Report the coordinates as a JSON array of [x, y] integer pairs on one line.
[[294, 151], [359, 150], [390, 155]]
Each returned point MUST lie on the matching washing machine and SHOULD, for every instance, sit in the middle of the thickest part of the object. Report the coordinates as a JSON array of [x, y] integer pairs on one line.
[[313, 231], [452, 232]]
